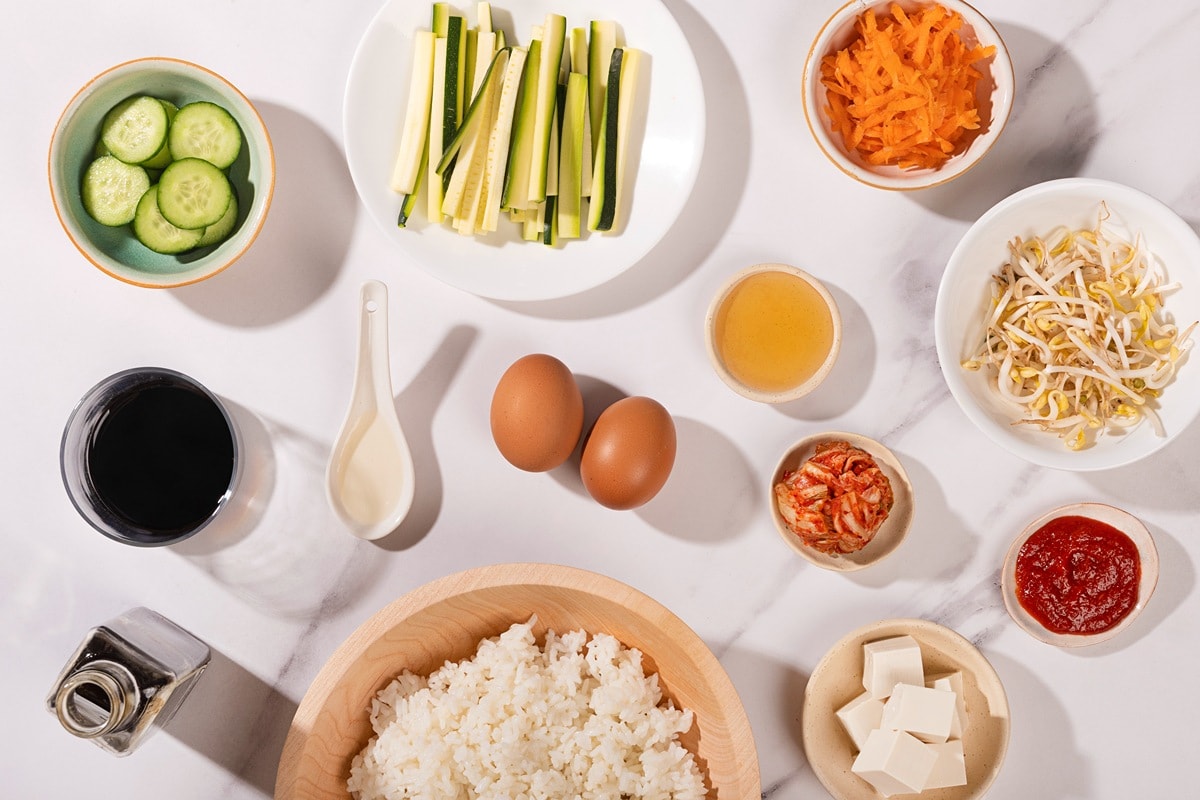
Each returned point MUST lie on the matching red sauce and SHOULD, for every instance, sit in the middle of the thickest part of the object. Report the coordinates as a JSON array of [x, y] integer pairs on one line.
[[1078, 575]]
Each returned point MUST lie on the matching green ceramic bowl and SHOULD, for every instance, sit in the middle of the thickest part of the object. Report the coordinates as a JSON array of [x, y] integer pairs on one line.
[[115, 250]]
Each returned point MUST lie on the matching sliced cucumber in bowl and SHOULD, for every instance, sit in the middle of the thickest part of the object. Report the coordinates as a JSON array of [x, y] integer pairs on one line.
[[193, 194]]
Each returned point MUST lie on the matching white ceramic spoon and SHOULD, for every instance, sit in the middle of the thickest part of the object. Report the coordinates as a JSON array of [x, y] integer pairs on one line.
[[369, 481]]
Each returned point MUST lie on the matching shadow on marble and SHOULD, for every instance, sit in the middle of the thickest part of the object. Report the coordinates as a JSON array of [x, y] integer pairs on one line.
[[281, 550], [847, 382], [237, 721], [304, 242], [1053, 126], [1153, 483], [416, 406], [724, 168], [1043, 760], [707, 465], [772, 692], [939, 544]]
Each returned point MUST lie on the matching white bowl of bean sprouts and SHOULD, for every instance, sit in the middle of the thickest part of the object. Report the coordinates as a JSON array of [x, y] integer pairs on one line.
[[1064, 324]]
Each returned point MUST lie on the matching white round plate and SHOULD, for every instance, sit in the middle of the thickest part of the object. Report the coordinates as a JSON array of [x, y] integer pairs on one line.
[[964, 295], [501, 265]]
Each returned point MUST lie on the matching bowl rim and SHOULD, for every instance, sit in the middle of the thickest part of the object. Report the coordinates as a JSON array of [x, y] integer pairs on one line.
[[987, 679], [130, 276], [915, 180], [1118, 518], [900, 517], [1054, 454], [718, 364], [353, 647]]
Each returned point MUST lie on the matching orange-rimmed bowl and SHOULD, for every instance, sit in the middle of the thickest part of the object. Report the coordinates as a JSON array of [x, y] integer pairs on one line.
[[115, 250], [994, 96]]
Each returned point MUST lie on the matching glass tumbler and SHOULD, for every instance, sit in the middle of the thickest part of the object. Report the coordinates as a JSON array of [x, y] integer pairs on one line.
[[150, 457]]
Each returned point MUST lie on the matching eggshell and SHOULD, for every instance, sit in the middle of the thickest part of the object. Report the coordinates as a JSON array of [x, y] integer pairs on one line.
[[537, 413], [629, 453]]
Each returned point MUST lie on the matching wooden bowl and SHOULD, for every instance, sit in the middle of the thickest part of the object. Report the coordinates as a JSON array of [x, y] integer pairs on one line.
[[446, 619], [838, 679]]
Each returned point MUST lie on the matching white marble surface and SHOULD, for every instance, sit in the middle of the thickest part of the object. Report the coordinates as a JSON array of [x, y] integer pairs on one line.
[[1106, 89]]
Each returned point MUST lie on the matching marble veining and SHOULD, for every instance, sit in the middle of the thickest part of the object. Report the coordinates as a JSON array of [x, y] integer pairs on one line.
[[1104, 89]]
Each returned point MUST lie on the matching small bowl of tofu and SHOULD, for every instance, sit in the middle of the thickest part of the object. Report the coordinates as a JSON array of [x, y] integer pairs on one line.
[[905, 706]]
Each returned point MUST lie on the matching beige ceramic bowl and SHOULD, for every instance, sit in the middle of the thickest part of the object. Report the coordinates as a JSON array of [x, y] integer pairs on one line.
[[115, 250], [1123, 521], [890, 534], [446, 619], [711, 335], [994, 95], [838, 679]]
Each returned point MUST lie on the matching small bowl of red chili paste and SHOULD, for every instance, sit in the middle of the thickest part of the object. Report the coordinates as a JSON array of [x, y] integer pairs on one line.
[[1080, 574]]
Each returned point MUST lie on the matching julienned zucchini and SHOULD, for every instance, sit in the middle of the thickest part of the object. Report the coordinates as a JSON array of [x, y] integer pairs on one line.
[[553, 36], [571, 152], [416, 115], [520, 153], [525, 130], [602, 210]]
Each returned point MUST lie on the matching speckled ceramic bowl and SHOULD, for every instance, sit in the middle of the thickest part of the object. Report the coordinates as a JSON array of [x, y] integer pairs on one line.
[[994, 94], [838, 679], [115, 250], [713, 323], [889, 536], [1124, 522]]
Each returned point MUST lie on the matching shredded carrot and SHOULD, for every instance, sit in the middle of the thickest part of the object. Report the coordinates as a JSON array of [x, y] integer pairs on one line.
[[903, 92]]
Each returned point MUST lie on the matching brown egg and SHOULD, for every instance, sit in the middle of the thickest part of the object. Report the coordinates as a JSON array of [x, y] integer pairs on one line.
[[629, 453], [537, 413]]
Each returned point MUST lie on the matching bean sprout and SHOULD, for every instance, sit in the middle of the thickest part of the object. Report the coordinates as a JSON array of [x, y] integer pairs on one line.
[[1076, 334]]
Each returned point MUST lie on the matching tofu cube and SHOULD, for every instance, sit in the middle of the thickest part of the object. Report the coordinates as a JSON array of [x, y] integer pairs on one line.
[[888, 662], [950, 769], [894, 762], [861, 716], [952, 682], [927, 714]]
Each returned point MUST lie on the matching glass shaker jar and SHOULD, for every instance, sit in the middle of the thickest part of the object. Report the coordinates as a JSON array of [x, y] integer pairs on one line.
[[127, 676]]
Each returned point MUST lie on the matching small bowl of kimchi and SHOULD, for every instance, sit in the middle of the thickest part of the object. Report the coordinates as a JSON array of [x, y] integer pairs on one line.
[[841, 500], [945, 97]]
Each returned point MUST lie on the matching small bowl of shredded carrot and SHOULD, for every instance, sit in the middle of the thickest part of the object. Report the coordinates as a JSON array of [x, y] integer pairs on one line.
[[907, 95]]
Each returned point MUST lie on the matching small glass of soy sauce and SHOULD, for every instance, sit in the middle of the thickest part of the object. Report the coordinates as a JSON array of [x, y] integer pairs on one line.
[[150, 457]]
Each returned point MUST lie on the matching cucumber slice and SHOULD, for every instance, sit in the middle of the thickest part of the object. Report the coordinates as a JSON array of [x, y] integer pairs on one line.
[[192, 193], [154, 231], [112, 189], [205, 130], [219, 231], [135, 129], [163, 156]]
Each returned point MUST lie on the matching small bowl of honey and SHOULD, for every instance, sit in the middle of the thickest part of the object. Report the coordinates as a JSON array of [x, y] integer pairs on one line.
[[773, 333]]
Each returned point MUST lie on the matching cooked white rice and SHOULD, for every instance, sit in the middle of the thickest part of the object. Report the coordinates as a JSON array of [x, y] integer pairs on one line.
[[573, 719]]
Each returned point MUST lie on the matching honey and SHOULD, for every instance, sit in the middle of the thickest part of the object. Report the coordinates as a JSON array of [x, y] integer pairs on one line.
[[773, 331]]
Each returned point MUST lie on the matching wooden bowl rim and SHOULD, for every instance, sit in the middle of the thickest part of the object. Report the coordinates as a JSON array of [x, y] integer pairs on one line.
[[331, 674]]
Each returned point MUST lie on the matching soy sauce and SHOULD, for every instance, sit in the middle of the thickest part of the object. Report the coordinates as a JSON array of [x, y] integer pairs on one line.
[[162, 458]]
